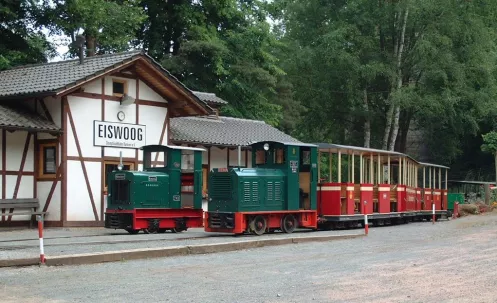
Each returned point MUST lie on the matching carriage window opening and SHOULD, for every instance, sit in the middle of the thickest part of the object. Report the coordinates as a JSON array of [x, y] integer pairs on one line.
[[279, 156], [187, 161], [260, 157]]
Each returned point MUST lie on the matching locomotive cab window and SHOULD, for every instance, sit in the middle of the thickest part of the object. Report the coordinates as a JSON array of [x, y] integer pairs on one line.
[[279, 156], [154, 159], [260, 157], [48, 161]]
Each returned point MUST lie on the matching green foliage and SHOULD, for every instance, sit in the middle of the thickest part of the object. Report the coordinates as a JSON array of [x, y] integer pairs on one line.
[[108, 25], [490, 142], [19, 43]]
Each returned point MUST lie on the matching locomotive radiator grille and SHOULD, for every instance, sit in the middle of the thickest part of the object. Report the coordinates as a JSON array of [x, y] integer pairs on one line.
[[220, 186], [120, 192]]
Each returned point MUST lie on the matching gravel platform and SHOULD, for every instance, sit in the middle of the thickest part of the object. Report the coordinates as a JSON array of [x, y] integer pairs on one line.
[[453, 261]]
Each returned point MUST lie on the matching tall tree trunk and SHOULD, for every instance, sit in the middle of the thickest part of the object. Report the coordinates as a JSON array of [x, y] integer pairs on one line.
[[388, 126], [395, 128], [367, 121], [90, 45]]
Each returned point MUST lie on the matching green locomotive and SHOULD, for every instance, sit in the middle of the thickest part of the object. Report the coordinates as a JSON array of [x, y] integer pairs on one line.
[[279, 192], [166, 195]]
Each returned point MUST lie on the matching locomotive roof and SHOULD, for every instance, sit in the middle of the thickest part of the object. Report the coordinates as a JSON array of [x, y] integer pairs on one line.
[[158, 146]]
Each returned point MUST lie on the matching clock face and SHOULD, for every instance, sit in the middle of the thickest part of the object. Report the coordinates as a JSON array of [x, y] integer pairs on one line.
[[120, 116]]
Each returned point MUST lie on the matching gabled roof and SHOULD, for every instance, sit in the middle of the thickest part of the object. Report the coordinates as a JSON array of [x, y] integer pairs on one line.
[[19, 118], [210, 98], [58, 78], [224, 131]]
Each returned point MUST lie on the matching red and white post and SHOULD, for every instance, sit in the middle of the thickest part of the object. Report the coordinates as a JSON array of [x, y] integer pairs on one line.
[[40, 235], [433, 218], [366, 224]]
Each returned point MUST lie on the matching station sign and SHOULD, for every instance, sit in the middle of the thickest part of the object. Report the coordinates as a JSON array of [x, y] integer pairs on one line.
[[123, 135]]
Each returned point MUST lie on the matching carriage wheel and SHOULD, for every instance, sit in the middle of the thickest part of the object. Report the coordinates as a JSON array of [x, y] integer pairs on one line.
[[132, 231], [258, 225], [288, 224]]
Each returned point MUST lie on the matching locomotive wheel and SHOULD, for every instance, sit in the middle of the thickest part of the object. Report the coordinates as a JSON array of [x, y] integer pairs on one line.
[[258, 225], [150, 230], [132, 231], [177, 230], [288, 224]]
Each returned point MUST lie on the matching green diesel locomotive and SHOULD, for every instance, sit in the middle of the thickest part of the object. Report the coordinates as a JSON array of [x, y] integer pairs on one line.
[[166, 195], [279, 192]]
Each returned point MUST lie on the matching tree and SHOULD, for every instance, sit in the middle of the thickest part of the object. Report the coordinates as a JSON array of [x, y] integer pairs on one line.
[[108, 25], [20, 44], [490, 146]]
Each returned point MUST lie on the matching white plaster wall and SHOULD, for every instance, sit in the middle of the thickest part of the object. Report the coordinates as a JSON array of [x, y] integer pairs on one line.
[[43, 189], [94, 87], [111, 110], [153, 117], [15, 148], [1, 150], [79, 206], [218, 158], [84, 111], [131, 85], [53, 106], [146, 93]]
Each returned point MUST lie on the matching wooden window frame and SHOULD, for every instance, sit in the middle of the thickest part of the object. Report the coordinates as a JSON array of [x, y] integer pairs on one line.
[[41, 145], [114, 162], [125, 87]]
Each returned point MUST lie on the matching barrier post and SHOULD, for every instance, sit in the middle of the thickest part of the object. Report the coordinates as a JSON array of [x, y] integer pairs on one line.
[[433, 219], [40, 235], [366, 225]]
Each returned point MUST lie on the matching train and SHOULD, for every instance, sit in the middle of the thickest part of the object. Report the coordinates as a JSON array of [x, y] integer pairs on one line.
[[284, 190]]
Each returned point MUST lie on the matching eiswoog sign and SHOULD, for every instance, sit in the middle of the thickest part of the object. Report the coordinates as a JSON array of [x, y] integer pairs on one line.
[[118, 134]]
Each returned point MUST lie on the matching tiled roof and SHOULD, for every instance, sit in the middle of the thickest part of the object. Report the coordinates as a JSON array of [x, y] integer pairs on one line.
[[55, 76], [224, 131], [210, 98], [15, 117], [50, 78]]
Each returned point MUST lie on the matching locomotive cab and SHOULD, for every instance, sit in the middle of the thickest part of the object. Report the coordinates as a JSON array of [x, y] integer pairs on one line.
[[279, 192], [166, 195]]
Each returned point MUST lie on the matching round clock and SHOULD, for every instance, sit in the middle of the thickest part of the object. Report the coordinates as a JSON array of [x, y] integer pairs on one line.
[[121, 116]]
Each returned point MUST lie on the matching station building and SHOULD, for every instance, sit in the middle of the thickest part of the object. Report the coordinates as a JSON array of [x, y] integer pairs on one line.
[[64, 126]]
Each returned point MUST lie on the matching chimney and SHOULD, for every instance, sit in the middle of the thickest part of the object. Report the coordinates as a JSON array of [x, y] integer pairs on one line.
[[80, 43]]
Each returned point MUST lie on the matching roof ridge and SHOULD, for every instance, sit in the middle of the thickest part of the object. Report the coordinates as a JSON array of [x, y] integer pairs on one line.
[[243, 119], [136, 51]]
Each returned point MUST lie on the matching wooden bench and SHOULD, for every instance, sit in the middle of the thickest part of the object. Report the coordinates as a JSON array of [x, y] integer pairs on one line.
[[30, 204]]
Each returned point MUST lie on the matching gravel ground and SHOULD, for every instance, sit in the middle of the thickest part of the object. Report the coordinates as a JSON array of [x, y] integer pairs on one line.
[[58, 243], [452, 261]]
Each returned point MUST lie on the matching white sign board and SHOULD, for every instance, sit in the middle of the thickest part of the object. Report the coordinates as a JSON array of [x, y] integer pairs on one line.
[[122, 135]]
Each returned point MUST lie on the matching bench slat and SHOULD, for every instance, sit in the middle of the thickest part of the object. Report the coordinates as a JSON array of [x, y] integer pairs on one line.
[[26, 213], [17, 205], [30, 200]]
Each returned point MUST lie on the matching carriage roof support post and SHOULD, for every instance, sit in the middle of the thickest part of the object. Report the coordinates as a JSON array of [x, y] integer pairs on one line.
[[429, 177], [353, 168], [388, 169], [331, 166], [400, 171], [379, 175], [424, 177], [240, 156], [361, 167], [339, 166], [439, 178], [446, 177], [348, 167], [371, 169]]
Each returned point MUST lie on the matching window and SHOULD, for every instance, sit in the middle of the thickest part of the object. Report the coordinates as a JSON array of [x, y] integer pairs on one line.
[[119, 87], [154, 159], [110, 166], [48, 159], [260, 157], [279, 156]]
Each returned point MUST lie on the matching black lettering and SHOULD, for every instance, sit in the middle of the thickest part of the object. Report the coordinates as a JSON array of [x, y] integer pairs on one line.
[[109, 131], [133, 134], [100, 130], [140, 135], [126, 133], [118, 132]]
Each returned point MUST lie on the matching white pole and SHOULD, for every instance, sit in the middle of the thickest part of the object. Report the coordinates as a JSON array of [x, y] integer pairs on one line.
[[240, 156]]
